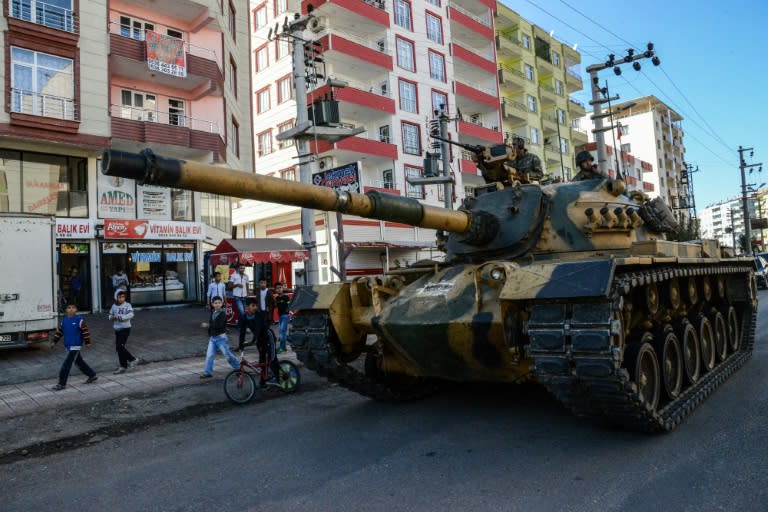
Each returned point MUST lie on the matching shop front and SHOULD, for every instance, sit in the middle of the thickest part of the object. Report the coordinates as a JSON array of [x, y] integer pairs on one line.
[[158, 257], [73, 261]]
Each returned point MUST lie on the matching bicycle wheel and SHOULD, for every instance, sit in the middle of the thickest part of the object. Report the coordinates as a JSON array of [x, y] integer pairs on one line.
[[289, 378], [239, 386], [272, 337]]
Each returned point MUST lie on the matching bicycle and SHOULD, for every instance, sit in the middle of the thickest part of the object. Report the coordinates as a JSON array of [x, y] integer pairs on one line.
[[240, 385]]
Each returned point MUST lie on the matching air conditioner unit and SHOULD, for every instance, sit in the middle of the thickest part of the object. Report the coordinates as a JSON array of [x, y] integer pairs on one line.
[[318, 24]]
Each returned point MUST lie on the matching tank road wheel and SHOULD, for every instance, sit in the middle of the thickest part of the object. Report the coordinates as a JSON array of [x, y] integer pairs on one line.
[[691, 290], [673, 294], [734, 337], [670, 360], [706, 343], [689, 344], [652, 298], [640, 360], [720, 280], [706, 288], [721, 335]]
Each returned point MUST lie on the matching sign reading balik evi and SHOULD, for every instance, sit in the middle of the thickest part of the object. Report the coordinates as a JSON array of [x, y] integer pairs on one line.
[[165, 54], [74, 228], [117, 197]]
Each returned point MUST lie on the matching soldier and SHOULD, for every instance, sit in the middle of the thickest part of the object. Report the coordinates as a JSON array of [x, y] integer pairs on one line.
[[527, 164], [587, 170]]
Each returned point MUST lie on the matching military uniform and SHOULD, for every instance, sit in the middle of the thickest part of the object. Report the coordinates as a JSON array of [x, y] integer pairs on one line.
[[529, 164], [589, 174]]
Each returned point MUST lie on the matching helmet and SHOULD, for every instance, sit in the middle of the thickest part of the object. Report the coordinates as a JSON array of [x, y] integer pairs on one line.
[[583, 156]]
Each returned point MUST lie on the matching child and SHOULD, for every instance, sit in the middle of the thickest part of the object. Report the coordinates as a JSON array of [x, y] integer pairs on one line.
[[75, 332], [121, 314], [217, 329], [254, 320]]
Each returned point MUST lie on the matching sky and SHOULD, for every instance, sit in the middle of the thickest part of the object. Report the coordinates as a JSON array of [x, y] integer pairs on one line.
[[713, 72]]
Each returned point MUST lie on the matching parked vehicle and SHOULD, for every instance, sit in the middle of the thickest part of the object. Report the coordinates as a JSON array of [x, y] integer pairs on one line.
[[761, 270], [28, 289]]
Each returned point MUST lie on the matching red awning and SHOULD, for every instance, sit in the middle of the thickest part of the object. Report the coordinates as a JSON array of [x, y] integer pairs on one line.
[[258, 250]]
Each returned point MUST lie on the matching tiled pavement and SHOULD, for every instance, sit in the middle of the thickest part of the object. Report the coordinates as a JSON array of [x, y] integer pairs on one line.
[[170, 342]]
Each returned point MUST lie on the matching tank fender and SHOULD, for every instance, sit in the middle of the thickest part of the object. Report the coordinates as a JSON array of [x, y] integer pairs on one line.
[[558, 280], [335, 299]]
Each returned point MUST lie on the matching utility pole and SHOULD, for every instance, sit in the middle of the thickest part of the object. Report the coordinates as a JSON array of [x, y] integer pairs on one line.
[[600, 96], [306, 129], [445, 152], [744, 203], [431, 175]]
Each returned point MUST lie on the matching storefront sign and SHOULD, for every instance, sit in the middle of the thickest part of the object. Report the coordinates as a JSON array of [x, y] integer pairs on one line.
[[74, 249], [117, 197], [154, 202], [153, 230], [341, 179], [74, 228]]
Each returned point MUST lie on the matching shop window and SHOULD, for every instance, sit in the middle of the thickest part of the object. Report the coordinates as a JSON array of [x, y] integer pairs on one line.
[[181, 202], [216, 211], [161, 273]]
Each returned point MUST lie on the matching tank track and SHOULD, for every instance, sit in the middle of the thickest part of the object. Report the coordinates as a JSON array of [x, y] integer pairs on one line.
[[586, 375], [310, 334]]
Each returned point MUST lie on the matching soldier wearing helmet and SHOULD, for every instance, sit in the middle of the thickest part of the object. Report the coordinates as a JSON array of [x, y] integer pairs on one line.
[[528, 165], [587, 170]]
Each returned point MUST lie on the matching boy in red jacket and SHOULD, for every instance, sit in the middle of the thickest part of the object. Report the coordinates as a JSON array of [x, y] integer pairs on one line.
[[75, 333]]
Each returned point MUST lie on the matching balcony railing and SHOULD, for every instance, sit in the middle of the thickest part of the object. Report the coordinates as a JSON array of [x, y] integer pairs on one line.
[[480, 19], [161, 117], [512, 39], [514, 104], [515, 72], [46, 105], [379, 4], [140, 35], [574, 73], [48, 15]]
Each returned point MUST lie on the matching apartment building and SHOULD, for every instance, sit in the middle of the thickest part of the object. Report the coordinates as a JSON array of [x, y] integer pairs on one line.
[[537, 74], [724, 221], [633, 170], [401, 61], [82, 76], [652, 131]]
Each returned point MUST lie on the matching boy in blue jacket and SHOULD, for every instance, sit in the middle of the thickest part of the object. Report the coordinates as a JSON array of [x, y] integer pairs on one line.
[[75, 333]]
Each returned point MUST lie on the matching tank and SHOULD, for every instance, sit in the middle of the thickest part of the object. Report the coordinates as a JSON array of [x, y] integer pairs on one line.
[[571, 285]]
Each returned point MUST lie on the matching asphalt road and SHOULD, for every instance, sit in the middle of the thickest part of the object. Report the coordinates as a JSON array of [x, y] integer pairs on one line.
[[505, 449]]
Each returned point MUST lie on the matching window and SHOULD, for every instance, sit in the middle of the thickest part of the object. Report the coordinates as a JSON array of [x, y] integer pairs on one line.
[[281, 6], [408, 101], [405, 57], [558, 87], [134, 28], [532, 103], [283, 128], [288, 174], [235, 137], [231, 17], [436, 66], [262, 100], [233, 75], [439, 101], [260, 17], [176, 115], [403, 14], [411, 139], [658, 144], [181, 204], [555, 58], [434, 28], [53, 13], [42, 84], [560, 116], [265, 142], [284, 89], [626, 148], [216, 211], [567, 173], [138, 106], [262, 58], [44, 183], [563, 145], [384, 134], [174, 33], [625, 129], [388, 179], [529, 72], [535, 136], [434, 2], [282, 48], [414, 191], [526, 41]]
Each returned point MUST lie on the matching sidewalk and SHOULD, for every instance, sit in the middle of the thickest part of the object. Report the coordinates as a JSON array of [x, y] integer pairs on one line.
[[170, 342]]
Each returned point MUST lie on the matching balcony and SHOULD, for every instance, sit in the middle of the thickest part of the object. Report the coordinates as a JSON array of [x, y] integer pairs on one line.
[[476, 98], [128, 58], [365, 16], [172, 134], [467, 165], [45, 14], [509, 46], [353, 56], [469, 63], [511, 78], [576, 108], [513, 111], [474, 133], [466, 26], [362, 104], [373, 152], [549, 122], [573, 80]]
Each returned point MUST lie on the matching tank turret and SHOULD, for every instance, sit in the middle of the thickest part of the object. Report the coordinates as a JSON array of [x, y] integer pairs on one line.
[[572, 285]]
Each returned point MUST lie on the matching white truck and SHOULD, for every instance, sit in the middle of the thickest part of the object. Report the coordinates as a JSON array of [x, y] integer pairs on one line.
[[28, 284]]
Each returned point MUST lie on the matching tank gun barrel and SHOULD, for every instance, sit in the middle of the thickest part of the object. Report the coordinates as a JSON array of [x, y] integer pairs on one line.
[[475, 148], [150, 169]]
